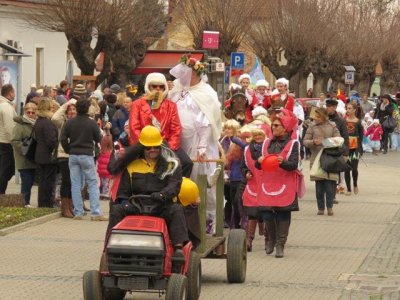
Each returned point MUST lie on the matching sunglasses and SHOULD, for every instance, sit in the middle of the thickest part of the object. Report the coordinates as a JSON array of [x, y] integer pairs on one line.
[[154, 86], [152, 147], [30, 113]]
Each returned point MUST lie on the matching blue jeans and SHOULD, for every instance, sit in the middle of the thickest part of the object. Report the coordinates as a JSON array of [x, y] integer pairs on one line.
[[27, 178], [84, 166]]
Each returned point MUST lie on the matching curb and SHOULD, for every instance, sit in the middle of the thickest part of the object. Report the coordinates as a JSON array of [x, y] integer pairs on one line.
[[30, 223]]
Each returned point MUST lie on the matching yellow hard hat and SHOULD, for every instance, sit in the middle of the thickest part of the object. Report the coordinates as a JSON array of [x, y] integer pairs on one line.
[[150, 136], [189, 192]]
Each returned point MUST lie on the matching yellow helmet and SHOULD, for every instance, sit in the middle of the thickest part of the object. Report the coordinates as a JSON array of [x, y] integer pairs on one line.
[[150, 136], [189, 192]]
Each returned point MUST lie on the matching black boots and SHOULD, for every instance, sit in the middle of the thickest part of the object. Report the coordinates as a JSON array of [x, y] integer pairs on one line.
[[270, 228], [282, 234]]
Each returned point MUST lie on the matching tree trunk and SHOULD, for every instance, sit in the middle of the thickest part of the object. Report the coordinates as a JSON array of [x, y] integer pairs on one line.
[[302, 86]]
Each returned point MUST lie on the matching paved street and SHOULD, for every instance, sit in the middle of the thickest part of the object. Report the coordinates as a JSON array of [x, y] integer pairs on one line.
[[354, 254]]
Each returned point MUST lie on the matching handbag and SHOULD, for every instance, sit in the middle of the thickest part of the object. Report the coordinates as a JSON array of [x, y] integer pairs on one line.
[[332, 161], [28, 146], [389, 123]]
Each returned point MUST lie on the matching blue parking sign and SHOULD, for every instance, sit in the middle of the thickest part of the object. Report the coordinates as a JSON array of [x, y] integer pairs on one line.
[[237, 60]]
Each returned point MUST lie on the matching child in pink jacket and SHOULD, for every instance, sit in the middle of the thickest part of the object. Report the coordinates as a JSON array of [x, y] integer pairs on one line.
[[106, 147], [375, 132]]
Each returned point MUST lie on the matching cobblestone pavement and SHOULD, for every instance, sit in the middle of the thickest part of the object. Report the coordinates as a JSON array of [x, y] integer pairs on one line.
[[354, 254]]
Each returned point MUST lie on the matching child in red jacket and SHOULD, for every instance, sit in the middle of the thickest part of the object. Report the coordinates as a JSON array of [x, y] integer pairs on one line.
[[106, 147], [375, 133]]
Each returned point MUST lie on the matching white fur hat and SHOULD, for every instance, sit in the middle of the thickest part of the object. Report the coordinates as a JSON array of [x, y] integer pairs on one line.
[[262, 82], [376, 121], [244, 76], [283, 81], [259, 110], [156, 78]]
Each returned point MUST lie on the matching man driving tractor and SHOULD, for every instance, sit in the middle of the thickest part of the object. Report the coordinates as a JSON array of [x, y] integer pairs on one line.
[[156, 173]]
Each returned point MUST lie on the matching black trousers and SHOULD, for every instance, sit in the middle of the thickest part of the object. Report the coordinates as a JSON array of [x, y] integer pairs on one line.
[[173, 215], [65, 189], [7, 166], [186, 162], [47, 185]]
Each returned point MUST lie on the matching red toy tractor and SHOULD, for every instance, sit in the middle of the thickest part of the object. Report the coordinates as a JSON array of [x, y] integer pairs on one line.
[[138, 256]]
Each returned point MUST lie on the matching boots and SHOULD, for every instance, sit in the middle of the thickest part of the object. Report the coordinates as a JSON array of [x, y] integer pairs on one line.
[[270, 228], [66, 204], [261, 227], [250, 232], [266, 236], [282, 234]]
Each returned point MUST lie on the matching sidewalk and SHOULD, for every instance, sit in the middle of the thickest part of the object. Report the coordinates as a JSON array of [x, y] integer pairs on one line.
[[354, 254]]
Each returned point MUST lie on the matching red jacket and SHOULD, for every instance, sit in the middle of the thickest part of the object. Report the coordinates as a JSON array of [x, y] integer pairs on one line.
[[102, 163], [276, 99], [166, 114], [266, 102]]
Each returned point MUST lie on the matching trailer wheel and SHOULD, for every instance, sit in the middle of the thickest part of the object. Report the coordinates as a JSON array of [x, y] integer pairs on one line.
[[194, 277], [236, 257]]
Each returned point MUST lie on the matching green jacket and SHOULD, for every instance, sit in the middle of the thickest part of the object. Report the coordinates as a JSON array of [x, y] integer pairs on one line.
[[21, 130]]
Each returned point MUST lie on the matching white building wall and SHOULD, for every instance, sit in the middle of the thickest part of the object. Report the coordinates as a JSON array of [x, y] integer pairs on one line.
[[12, 27]]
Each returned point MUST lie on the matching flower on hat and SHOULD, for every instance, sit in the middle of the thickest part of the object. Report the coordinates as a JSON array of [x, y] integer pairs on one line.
[[198, 66]]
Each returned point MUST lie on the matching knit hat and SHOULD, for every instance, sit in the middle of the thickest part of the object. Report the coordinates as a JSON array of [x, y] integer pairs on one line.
[[376, 121], [259, 110], [156, 78], [262, 82], [115, 88], [79, 89], [98, 95]]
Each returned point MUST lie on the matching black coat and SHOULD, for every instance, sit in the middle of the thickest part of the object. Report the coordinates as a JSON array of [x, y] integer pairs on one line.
[[342, 127], [46, 135]]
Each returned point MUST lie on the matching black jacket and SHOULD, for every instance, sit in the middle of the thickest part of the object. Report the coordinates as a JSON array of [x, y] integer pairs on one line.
[[342, 127], [79, 136], [148, 183], [46, 135]]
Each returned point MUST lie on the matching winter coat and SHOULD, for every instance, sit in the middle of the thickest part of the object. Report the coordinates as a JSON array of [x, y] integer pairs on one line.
[[59, 118], [102, 163], [46, 135], [118, 122], [342, 127], [22, 129], [324, 130], [374, 132], [167, 115], [7, 114]]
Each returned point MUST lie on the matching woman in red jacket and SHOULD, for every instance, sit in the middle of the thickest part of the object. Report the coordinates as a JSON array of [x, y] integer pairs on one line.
[[156, 110]]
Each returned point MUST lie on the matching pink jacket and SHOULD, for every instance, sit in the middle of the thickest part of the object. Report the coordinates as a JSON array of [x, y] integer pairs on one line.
[[374, 132], [102, 163]]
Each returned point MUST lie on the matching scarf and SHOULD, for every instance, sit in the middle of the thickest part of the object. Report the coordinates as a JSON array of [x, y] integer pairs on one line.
[[28, 120]]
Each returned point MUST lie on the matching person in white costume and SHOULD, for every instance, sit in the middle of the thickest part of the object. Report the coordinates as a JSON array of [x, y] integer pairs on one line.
[[200, 114]]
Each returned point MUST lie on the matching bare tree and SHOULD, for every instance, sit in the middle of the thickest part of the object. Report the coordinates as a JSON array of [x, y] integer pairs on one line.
[[231, 18], [286, 31], [119, 29]]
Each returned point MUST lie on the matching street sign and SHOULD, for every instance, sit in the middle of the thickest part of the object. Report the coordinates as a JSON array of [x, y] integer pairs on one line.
[[220, 67], [349, 78], [237, 60], [210, 39], [236, 72]]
